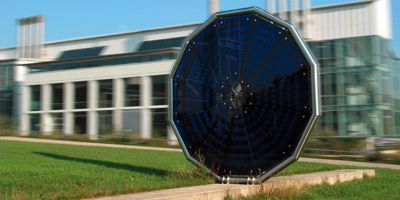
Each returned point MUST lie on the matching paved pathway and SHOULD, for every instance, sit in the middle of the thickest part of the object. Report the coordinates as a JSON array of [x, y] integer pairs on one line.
[[23, 139], [335, 162], [351, 163]]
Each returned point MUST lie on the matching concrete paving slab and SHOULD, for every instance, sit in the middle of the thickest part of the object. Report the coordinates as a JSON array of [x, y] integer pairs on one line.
[[219, 191]]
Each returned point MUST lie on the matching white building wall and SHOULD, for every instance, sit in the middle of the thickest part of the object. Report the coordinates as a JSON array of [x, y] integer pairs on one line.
[[326, 22], [118, 43], [100, 73], [10, 53], [169, 34], [351, 20], [92, 76], [380, 14]]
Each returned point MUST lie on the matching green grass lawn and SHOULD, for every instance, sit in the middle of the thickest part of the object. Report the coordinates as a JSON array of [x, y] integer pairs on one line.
[[384, 185], [54, 171]]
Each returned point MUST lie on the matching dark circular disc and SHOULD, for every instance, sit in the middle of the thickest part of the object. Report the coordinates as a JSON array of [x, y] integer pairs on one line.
[[243, 95]]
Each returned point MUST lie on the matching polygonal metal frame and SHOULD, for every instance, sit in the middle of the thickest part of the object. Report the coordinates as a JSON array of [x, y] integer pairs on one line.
[[316, 108]]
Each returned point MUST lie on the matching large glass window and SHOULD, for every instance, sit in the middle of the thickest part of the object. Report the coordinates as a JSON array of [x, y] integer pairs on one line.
[[80, 119], [80, 95], [105, 93], [132, 91], [388, 126], [326, 49], [340, 48], [364, 87], [57, 96], [397, 124], [35, 98], [106, 122], [159, 96], [159, 126], [6, 77], [6, 102], [34, 122], [6, 89], [131, 122]]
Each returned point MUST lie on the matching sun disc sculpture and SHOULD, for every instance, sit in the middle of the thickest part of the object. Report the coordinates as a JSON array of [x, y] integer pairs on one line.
[[244, 95]]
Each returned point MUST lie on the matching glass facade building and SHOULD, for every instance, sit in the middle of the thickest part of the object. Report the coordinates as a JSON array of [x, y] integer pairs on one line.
[[132, 91], [358, 80], [105, 93], [6, 89], [57, 96], [36, 97], [118, 81], [80, 94], [80, 123], [159, 90]]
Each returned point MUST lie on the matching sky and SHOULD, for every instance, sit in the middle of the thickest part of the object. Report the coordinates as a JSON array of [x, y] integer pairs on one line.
[[82, 18]]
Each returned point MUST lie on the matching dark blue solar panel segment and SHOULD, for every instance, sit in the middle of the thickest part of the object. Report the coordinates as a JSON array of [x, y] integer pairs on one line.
[[80, 53], [242, 95]]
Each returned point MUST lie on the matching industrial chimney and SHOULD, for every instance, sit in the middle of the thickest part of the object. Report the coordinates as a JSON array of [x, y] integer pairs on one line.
[[30, 37], [213, 7]]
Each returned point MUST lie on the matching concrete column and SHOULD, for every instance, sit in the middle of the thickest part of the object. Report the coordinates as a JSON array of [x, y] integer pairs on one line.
[[146, 101], [118, 92], [24, 124], [24, 118], [92, 119], [19, 79], [118, 96], [45, 118], [68, 102], [46, 123], [16, 111], [93, 125], [117, 120], [69, 95], [146, 129], [93, 93], [68, 123], [172, 140], [45, 97]]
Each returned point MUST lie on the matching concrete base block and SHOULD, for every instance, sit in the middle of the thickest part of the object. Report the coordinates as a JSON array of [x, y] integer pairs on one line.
[[219, 191]]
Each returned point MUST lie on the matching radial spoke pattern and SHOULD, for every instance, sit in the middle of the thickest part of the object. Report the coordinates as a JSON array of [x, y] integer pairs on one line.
[[241, 95]]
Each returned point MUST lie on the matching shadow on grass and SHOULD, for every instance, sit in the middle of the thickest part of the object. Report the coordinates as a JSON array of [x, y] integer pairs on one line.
[[146, 170]]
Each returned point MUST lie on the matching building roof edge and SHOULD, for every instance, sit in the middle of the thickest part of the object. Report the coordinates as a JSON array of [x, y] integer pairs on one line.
[[123, 33], [341, 4]]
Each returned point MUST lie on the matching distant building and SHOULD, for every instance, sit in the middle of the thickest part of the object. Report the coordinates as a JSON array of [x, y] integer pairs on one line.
[[97, 84]]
